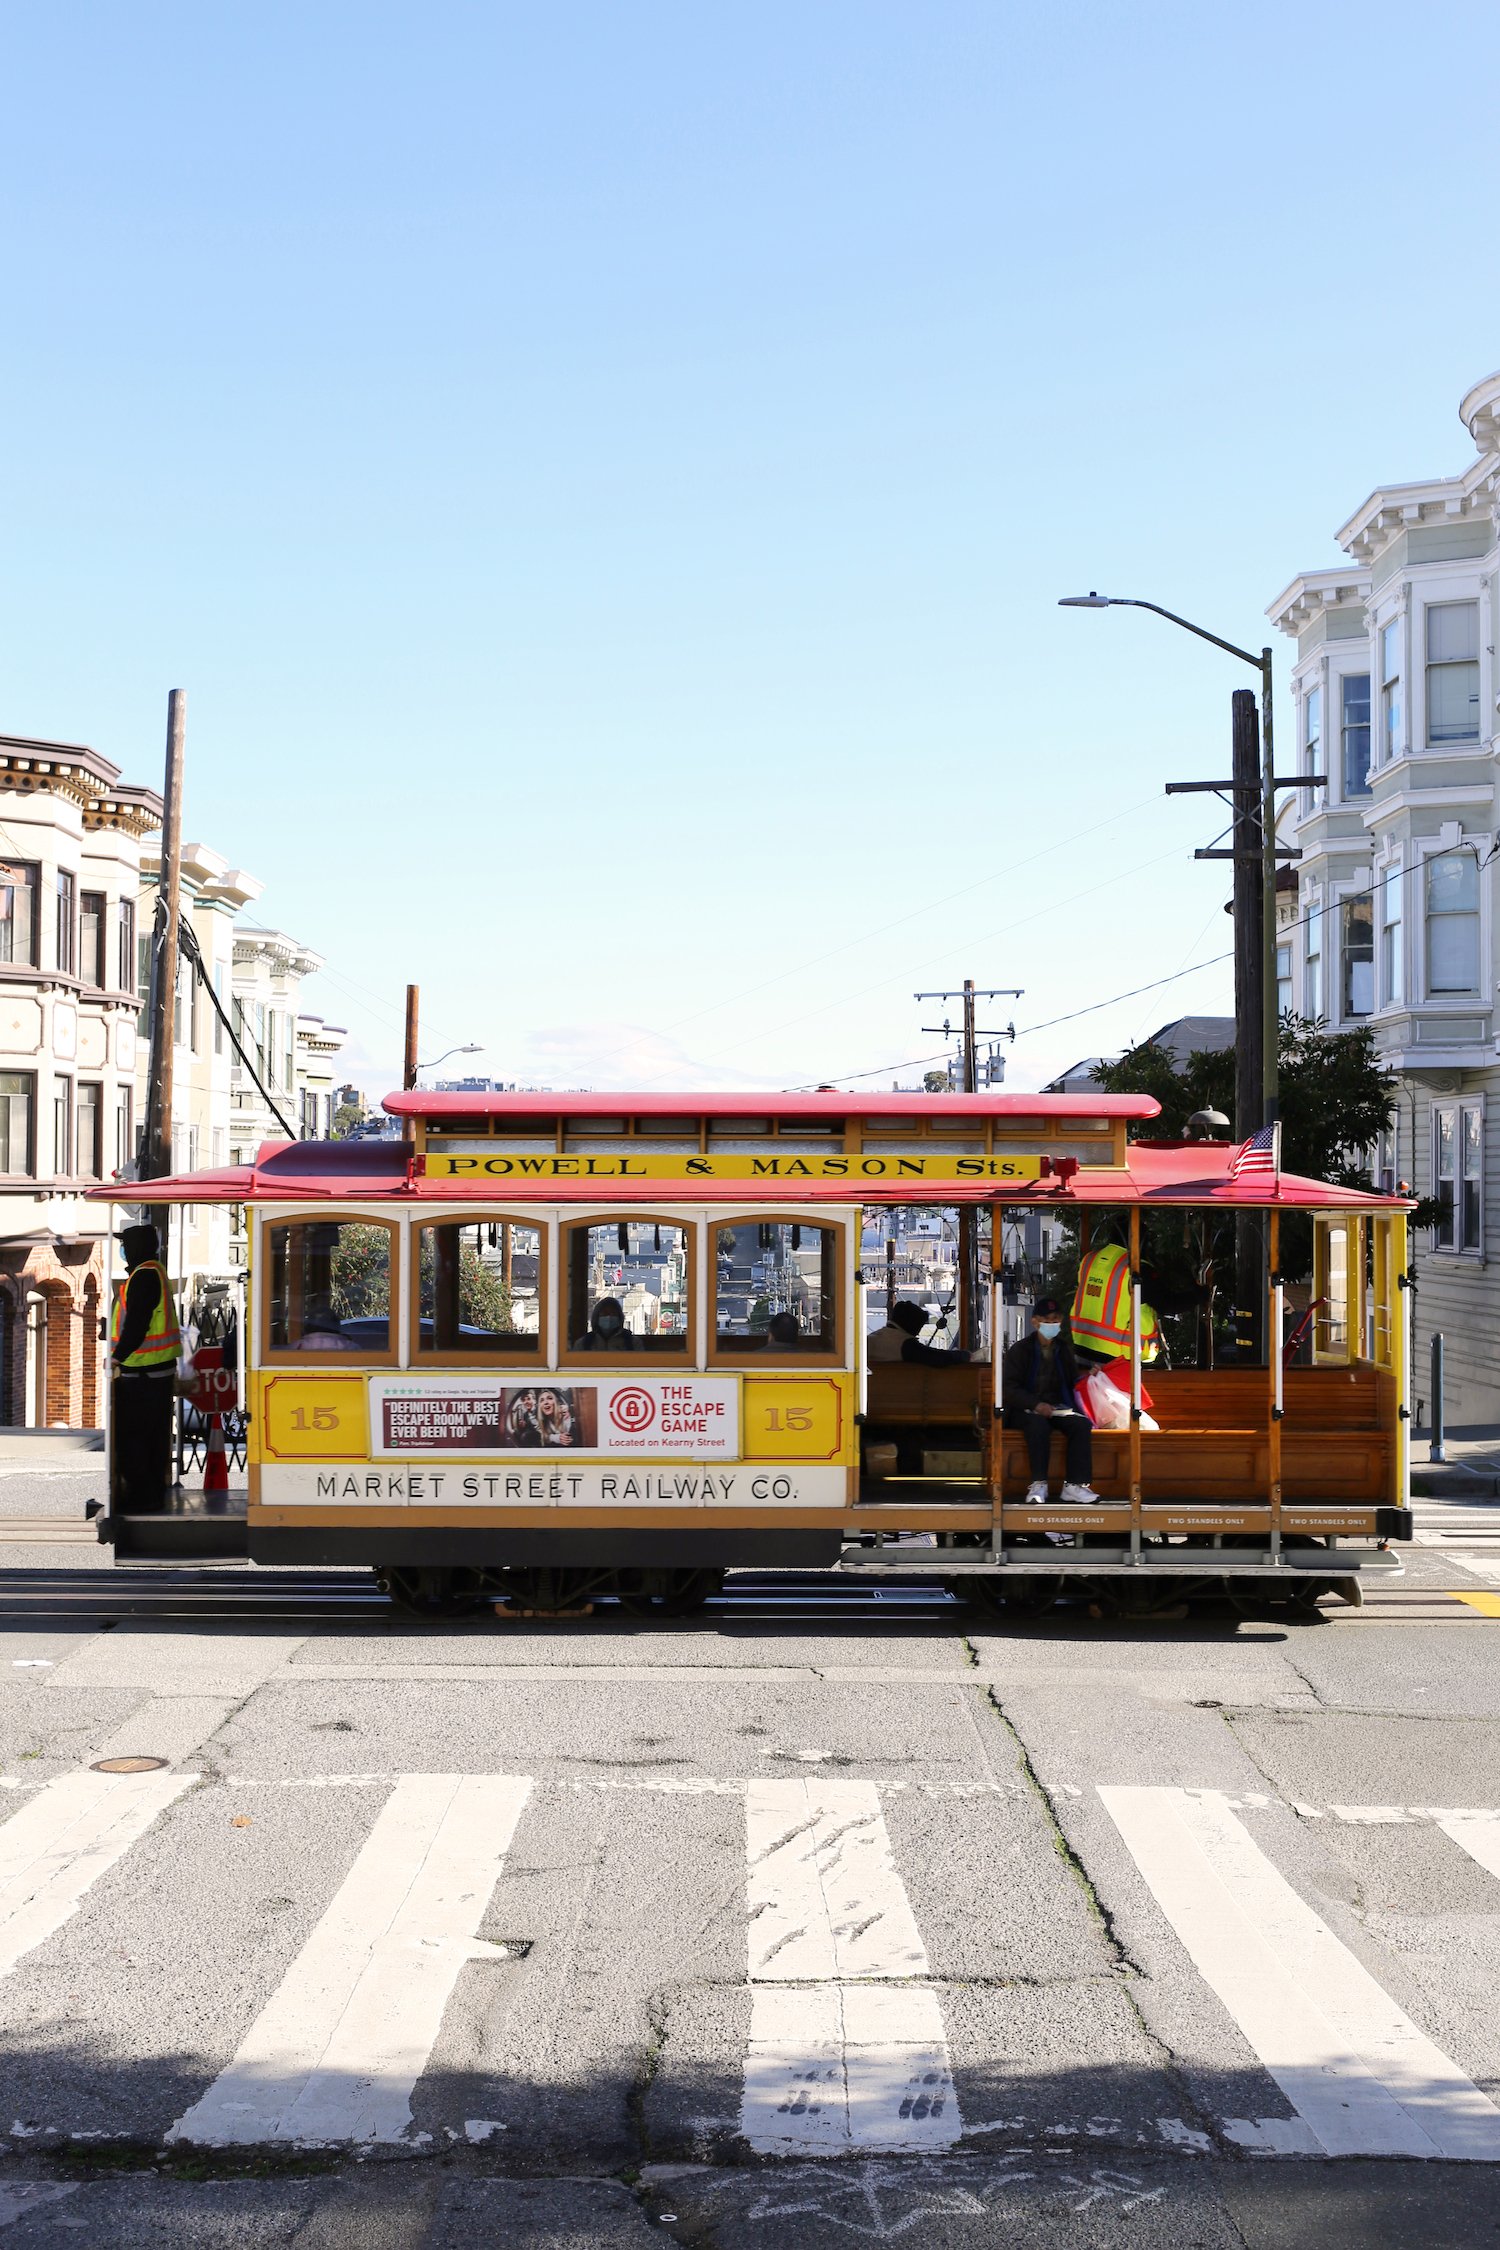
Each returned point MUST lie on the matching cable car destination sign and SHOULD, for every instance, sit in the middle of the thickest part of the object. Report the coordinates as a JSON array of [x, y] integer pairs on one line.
[[866, 1164]]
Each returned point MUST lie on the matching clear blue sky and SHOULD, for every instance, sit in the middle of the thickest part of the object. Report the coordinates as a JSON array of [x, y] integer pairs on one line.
[[603, 475]]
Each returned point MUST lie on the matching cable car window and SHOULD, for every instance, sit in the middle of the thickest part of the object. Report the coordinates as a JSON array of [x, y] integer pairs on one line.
[[478, 1290], [331, 1288], [629, 1288], [775, 1288]]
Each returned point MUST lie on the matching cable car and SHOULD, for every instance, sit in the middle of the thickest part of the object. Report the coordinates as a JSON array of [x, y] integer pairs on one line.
[[549, 1348]]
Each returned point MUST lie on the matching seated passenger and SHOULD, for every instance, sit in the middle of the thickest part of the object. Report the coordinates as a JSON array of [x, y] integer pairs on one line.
[[1038, 1381], [607, 1329], [782, 1332], [322, 1332], [901, 1339]]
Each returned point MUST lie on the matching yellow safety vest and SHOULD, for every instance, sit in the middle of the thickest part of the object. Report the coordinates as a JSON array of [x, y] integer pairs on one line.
[[163, 1339], [1100, 1320]]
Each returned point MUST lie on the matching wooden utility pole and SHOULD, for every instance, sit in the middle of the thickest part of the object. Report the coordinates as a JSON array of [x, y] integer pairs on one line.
[[156, 1143], [1251, 908], [409, 1066], [968, 1215], [409, 1072]]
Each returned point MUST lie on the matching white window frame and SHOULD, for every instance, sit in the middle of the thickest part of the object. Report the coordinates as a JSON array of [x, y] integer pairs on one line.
[[1452, 840], [1391, 743], [1458, 742], [1315, 919], [1315, 695], [1387, 872], [1464, 1116], [1336, 686], [1345, 896]]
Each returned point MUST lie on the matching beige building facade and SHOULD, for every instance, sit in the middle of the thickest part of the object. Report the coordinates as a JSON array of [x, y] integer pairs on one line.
[[71, 836]]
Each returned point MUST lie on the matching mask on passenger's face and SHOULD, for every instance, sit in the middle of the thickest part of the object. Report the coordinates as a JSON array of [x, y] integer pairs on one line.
[[609, 1324], [1049, 1328]]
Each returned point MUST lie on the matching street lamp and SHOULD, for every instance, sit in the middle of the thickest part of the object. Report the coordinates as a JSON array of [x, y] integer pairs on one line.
[[472, 1049], [1270, 1018]]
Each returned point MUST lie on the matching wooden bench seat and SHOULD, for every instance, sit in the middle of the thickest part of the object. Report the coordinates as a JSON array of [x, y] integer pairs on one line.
[[1230, 1464], [1213, 1441]]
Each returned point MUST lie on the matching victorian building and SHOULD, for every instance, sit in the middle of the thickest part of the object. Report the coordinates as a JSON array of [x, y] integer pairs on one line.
[[1393, 922], [70, 854]]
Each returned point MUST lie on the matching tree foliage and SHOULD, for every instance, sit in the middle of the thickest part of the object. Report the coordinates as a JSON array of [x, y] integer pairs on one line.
[[360, 1272], [1336, 1096], [483, 1299]]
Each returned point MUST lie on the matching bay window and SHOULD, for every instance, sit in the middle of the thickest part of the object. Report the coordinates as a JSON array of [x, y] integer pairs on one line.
[[1453, 672], [1392, 978], [1312, 981], [1357, 955], [1390, 691], [1452, 923], [1458, 1175], [1354, 692]]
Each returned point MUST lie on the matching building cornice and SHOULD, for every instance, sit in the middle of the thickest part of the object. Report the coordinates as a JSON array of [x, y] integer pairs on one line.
[[1394, 508], [132, 811], [1479, 412], [1313, 592], [274, 946]]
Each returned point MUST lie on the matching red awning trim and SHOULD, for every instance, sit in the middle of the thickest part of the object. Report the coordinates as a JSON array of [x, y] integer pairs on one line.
[[1173, 1176]]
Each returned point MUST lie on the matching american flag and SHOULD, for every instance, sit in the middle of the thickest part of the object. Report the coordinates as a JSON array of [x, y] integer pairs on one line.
[[1261, 1153]]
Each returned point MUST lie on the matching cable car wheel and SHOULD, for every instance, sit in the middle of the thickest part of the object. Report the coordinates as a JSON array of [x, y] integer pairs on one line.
[[552, 1591], [666, 1593], [431, 1592], [1025, 1594], [1297, 1596]]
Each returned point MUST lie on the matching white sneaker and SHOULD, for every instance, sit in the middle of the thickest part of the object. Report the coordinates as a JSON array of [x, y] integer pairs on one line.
[[1037, 1494], [1081, 1495]]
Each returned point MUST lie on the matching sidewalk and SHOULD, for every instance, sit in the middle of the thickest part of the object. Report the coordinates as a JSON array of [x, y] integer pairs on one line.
[[1471, 1471]]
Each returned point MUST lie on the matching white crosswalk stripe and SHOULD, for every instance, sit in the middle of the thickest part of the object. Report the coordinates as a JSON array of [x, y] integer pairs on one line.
[[1360, 2074], [834, 2064], [63, 1839], [337, 2050], [847, 2049], [1461, 1528]]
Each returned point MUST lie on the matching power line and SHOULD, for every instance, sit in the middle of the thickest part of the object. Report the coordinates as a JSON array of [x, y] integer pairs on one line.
[[913, 1062], [1370, 890], [1177, 974]]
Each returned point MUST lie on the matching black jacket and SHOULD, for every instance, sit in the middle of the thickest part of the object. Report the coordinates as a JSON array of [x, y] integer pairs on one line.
[[1021, 1372]]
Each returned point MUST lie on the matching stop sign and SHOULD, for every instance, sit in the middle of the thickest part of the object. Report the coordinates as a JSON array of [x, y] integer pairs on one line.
[[212, 1386]]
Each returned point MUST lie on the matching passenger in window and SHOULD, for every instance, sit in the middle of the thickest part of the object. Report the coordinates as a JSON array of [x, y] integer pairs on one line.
[[901, 1338], [782, 1332], [607, 1329], [1039, 1380]]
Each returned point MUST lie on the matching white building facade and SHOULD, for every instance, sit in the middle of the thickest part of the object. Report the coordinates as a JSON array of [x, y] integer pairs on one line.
[[293, 1052], [200, 1247], [1394, 922]]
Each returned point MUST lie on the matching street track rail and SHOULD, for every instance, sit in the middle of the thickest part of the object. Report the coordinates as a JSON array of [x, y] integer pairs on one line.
[[750, 1598]]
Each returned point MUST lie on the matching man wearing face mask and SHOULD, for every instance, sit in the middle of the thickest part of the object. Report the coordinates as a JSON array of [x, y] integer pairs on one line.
[[607, 1329], [1037, 1387]]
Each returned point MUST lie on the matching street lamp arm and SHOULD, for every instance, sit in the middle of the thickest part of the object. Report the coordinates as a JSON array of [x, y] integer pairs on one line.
[[1128, 602], [432, 1063]]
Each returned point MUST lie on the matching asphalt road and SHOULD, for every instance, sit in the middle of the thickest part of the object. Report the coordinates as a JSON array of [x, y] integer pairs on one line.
[[763, 1929]]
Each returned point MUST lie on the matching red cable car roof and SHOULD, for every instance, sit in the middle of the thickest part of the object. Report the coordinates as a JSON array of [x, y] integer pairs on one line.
[[1156, 1175], [443, 1108]]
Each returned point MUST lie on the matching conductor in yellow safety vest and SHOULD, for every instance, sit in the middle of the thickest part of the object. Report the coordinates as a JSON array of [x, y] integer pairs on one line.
[[144, 1344], [1100, 1320]]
